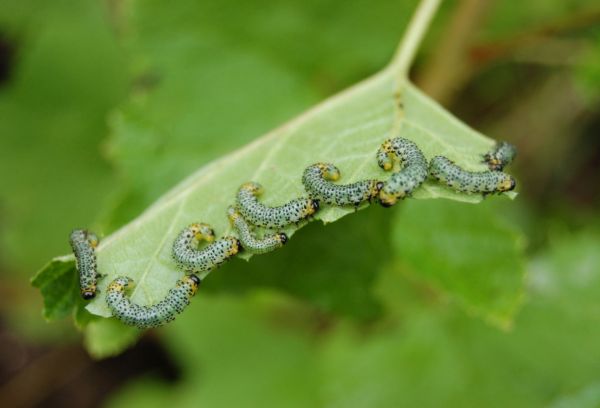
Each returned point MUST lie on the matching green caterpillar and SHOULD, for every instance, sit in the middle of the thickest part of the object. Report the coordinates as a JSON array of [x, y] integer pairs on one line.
[[187, 255], [144, 317], [486, 182], [272, 217], [317, 180], [248, 239], [84, 245], [413, 173]]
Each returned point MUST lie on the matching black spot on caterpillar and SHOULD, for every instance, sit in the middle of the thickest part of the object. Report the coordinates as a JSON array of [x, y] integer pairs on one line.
[[486, 182], [248, 239], [272, 217], [317, 180], [412, 174], [84, 245], [187, 255], [145, 317]]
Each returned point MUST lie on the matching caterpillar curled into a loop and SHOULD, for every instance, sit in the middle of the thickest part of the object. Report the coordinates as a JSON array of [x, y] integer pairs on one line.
[[84, 245], [412, 174], [145, 317], [502, 155], [317, 180], [187, 255], [261, 215], [487, 182], [249, 241]]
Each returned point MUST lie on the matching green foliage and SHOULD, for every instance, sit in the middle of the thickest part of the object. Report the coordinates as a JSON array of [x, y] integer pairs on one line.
[[59, 287], [201, 88], [108, 337], [53, 117], [471, 252], [333, 267], [346, 129], [421, 353], [108, 105]]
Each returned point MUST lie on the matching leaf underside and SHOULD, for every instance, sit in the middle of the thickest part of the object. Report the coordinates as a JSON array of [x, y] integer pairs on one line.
[[345, 130]]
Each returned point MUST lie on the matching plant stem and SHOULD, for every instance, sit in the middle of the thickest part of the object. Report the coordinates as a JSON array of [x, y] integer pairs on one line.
[[413, 36]]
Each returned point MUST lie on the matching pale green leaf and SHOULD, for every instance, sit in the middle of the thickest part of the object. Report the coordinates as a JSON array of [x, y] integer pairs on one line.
[[346, 129], [108, 337]]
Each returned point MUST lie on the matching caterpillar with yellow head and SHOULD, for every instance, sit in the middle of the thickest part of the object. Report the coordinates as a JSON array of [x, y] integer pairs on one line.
[[249, 240], [487, 182], [84, 245], [317, 180], [261, 215], [412, 174], [145, 317], [187, 255]]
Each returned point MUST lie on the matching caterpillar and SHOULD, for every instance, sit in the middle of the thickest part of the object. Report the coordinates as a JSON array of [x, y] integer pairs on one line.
[[317, 180], [272, 217], [502, 155], [188, 257], [413, 173], [145, 317], [248, 239], [84, 244], [487, 182]]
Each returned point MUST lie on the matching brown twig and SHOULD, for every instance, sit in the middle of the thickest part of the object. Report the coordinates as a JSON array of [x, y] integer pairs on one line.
[[448, 68]]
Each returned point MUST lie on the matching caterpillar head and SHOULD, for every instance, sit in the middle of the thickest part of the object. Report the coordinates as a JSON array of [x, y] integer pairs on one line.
[[232, 213], [386, 199], [329, 171], [202, 231], [507, 184], [385, 156], [236, 246], [253, 187], [89, 292], [493, 162], [193, 281], [92, 239], [120, 284], [283, 238], [376, 187], [313, 207]]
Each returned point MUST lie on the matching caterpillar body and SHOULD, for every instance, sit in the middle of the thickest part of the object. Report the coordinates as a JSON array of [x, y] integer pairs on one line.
[[272, 217], [502, 155], [144, 317], [187, 255], [487, 182], [248, 239], [412, 174], [317, 180], [84, 245]]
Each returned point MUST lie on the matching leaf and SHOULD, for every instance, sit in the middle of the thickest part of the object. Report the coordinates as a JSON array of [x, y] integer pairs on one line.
[[207, 65], [108, 337], [346, 129], [587, 397], [471, 253], [59, 286]]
